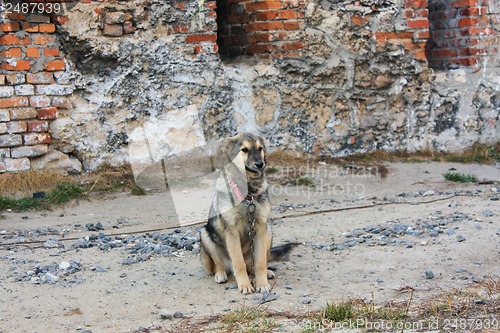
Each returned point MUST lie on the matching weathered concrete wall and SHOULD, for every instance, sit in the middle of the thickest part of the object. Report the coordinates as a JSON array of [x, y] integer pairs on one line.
[[359, 81]]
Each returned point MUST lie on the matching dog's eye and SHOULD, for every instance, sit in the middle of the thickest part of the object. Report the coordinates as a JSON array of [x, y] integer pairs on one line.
[[245, 150], [261, 148]]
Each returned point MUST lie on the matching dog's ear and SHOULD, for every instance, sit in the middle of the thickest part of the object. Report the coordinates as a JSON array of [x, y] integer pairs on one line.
[[224, 152], [264, 145]]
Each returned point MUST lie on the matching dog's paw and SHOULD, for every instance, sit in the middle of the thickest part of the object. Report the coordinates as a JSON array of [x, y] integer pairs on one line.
[[265, 287], [220, 277], [270, 274], [246, 288]]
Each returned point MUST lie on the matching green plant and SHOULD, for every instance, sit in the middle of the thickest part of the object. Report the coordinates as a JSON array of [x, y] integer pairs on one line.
[[305, 181], [459, 177], [61, 194], [338, 312], [270, 170]]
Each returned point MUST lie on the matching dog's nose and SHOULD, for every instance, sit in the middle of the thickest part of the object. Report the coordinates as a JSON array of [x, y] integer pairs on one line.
[[259, 165]]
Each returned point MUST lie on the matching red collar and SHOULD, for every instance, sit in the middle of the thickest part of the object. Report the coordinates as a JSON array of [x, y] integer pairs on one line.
[[237, 192]]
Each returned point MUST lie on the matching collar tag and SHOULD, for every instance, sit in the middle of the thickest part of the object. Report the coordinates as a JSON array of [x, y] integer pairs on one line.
[[236, 191]]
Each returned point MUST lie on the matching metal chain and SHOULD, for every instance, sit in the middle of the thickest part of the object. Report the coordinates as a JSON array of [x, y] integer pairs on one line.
[[252, 216]]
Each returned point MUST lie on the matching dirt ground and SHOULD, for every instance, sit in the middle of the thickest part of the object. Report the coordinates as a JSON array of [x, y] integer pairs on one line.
[[408, 222]]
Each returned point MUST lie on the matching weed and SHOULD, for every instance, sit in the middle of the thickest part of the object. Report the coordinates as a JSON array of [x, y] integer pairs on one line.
[[61, 194], [272, 169], [303, 181], [459, 177], [338, 312]]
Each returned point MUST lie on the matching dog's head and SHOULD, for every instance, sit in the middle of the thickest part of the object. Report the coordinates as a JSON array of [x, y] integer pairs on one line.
[[247, 151]]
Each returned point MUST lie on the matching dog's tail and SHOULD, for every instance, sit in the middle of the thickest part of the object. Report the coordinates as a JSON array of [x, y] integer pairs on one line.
[[281, 252]]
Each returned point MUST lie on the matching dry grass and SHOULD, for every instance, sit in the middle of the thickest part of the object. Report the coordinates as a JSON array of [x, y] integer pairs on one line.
[[22, 183], [476, 302]]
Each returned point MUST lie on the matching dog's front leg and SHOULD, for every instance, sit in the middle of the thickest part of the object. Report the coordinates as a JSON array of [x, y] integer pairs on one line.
[[262, 246], [239, 267]]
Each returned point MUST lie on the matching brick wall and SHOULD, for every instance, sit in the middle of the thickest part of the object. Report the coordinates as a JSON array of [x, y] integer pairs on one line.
[[38, 52], [265, 28], [33, 88], [461, 33]]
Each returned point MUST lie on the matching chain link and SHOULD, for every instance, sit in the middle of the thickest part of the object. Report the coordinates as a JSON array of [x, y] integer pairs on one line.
[[252, 216]]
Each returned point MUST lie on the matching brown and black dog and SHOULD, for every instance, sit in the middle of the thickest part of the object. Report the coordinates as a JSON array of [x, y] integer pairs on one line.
[[237, 237]]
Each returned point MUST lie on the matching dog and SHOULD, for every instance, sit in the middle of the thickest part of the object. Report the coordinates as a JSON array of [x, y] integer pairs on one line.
[[237, 237]]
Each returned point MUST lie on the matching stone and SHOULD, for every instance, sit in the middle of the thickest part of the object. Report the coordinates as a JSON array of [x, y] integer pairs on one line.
[[64, 265], [59, 162], [429, 274], [178, 314], [52, 243], [51, 278], [460, 238]]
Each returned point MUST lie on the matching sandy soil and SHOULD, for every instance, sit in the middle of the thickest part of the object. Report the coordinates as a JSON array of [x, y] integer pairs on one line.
[[104, 295]]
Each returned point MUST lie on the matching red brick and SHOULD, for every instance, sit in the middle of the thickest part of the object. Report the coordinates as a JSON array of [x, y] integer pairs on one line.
[[39, 101], [292, 46], [14, 40], [445, 53], [201, 38], [180, 5], [468, 22], [38, 126], [383, 37], [30, 27], [13, 52], [416, 4], [55, 65], [40, 78], [420, 55], [422, 13], [408, 13], [262, 5], [262, 16], [469, 12], [476, 31], [259, 48], [43, 39], [181, 28], [264, 26], [47, 113], [47, 28], [51, 52], [29, 151], [463, 3], [23, 113], [418, 24], [9, 27], [61, 102], [16, 127], [211, 5], [17, 16], [288, 14], [32, 52], [291, 25], [472, 51], [13, 102], [259, 38], [19, 65], [32, 139], [359, 20], [60, 19], [17, 164], [423, 34]]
